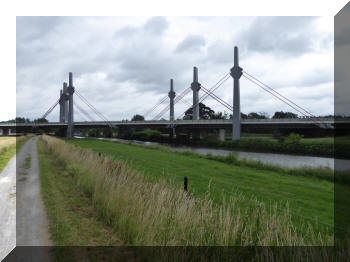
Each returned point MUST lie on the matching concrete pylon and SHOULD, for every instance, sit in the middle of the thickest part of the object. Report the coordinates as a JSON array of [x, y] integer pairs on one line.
[[195, 86], [236, 73], [61, 102], [172, 95], [65, 104], [70, 89]]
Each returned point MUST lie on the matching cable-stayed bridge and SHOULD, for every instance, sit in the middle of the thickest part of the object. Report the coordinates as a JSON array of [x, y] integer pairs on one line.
[[174, 124]]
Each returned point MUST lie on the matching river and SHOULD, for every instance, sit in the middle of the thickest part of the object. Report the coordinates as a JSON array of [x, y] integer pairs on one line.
[[292, 161]]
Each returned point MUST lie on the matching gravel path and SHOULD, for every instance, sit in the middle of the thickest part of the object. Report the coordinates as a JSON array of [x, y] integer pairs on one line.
[[32, 223]]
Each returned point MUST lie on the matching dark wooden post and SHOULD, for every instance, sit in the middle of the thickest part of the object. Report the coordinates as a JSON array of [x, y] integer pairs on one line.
[[186, 184]]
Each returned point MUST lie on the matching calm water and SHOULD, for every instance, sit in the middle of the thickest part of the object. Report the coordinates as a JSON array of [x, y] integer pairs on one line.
[[268, 158]]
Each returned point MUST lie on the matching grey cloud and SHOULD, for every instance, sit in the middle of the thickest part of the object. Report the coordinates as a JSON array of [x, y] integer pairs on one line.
[[282, 35], [191, 43], [317, 76], [156, 25], [32, 27]]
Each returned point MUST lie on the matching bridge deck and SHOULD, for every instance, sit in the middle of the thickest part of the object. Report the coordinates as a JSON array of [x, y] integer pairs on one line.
[[282, 123]]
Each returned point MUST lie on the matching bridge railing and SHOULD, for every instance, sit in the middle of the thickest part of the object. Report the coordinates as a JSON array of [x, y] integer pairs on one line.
[[157, 122]]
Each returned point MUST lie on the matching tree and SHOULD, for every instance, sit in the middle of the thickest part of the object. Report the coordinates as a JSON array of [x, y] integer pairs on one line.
[[93, 132], [243, 116], [107, 132], [138, 118], [253, 115], [205, 112], [17, 120], [282, 114], [219, 115], [41, 120]]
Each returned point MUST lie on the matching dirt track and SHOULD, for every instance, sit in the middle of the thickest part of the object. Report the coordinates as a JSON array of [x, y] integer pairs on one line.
[[32, 224]]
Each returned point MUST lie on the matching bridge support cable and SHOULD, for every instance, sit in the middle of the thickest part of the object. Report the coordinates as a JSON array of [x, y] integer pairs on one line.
[[186, 91], [216, 86], [156, 105], [283, 100], [91, 106], [84, 112], [211, 90], [81, 114], [222, 102], [185, 102], [176, 100], [50, 109], [100, 115], [279, 94]]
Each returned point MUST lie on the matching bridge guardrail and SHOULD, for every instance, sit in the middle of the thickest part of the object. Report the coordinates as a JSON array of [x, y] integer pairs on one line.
[[177, 122]]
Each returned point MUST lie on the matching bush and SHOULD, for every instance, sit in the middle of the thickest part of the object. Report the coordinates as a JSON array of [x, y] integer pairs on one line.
[[291, 139], [292, 144]]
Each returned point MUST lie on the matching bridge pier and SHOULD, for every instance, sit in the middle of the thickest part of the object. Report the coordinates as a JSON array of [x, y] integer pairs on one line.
[[172, 133], [196, 134], [222, 134], [5, 131], [205, 133]]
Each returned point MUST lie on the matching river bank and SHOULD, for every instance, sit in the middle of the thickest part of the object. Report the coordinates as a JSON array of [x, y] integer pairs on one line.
[[293, 144], [283, 160]]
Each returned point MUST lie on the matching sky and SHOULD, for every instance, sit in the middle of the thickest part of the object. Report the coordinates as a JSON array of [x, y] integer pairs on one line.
[[123, 65]]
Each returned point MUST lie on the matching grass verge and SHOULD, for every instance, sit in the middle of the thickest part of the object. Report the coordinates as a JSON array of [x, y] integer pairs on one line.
[[73, 220]]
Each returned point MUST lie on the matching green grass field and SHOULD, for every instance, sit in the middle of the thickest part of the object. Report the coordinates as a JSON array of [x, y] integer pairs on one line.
[[144, 209], [308, 198]]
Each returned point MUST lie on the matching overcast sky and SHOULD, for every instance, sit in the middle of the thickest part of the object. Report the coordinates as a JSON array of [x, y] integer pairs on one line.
[[122, 65]]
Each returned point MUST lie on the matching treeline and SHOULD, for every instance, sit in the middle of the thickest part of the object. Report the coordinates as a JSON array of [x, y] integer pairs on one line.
[[291, 144], [26, 120]]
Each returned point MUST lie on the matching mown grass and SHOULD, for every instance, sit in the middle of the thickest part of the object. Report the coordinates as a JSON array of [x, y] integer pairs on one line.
[[308, 196]]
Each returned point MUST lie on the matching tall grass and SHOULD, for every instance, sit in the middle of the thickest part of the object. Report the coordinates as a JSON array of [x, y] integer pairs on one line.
[[149, 214]]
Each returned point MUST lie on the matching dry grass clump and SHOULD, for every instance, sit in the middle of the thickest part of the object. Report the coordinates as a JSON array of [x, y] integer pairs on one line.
[[6, 142], [149, 214]]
